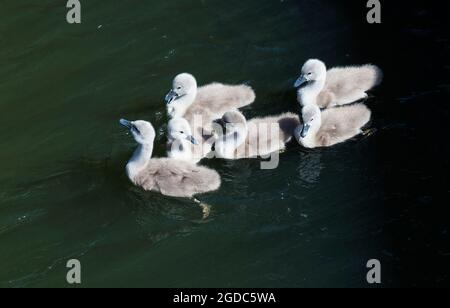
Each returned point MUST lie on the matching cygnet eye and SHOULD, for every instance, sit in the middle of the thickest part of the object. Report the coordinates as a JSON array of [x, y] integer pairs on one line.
[[136, 129], [309, 74], [179, 88], [182, 132]]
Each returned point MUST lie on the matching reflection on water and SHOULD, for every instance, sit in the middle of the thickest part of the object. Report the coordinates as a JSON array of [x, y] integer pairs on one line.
[[309, 169]]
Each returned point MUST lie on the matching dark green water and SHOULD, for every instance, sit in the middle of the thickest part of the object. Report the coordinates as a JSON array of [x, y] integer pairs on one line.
[[313, 222]]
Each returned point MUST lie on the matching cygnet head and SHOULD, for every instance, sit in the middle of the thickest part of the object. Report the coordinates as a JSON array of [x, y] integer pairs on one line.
[[179, 129], [313, 70], [311, 116], [142, 131], [184, 84], [232, 122]]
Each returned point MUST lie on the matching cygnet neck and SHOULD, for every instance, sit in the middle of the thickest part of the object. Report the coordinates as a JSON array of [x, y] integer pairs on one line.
[[308, 95], [180, 149], [227, 144], [178, 108], [139, 160]]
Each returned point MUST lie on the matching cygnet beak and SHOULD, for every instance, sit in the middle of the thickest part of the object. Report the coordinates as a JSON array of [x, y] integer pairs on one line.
[[126, 123], [300, 81], [305, 130], [192, 140], [171, 96]]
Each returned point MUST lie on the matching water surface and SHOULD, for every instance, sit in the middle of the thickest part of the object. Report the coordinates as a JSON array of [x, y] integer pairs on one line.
[[313, 222]]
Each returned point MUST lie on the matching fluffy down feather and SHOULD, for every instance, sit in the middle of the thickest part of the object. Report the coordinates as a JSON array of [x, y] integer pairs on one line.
[[177, 178]]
